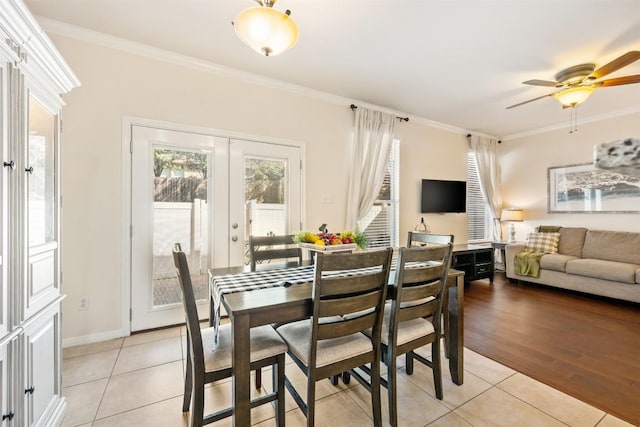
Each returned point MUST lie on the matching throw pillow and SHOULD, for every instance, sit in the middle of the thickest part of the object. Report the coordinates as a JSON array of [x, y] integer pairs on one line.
[[543, 242]]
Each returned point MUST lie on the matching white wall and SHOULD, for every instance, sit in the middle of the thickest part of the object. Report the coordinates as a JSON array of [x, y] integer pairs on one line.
[[117, 84], [525, 161]]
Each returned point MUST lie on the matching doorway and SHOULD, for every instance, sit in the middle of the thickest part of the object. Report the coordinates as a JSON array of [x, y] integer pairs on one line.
[[208, 193]]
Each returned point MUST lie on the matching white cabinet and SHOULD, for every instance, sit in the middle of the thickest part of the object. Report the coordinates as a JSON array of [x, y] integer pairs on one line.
[[33, 77]]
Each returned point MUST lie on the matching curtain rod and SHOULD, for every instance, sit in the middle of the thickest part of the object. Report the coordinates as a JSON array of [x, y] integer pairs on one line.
[[469, 136], [403, 119]]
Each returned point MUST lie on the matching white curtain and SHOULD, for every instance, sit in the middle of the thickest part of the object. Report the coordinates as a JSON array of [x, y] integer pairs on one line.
[[372, 138], [489, 177]]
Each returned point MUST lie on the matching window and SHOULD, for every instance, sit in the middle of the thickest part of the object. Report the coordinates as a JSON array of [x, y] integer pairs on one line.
[[382, 224], [479, 223]]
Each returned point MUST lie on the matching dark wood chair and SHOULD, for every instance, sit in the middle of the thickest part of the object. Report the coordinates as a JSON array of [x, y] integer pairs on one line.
[[430, 239], [412, 319], [330, 342], [267, 248], [208, 362]]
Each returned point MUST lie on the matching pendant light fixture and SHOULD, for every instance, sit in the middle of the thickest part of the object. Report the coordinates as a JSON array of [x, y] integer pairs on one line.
[[265, 29]]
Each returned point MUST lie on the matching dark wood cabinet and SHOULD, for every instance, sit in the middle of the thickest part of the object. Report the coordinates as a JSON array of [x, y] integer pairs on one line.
[[475, 260]]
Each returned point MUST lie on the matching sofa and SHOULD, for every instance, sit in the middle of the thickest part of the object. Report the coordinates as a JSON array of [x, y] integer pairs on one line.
[[599, 262]]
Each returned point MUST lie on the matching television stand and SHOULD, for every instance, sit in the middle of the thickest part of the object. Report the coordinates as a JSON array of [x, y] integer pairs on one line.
[[475, 260]]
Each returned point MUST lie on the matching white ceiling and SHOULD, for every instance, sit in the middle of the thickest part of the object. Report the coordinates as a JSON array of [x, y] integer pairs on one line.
[[455, 62]]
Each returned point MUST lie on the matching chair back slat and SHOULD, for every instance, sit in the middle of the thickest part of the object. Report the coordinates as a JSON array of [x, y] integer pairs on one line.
[[428, 239], [346, 327], [417, 292], [348, 305], [416, 311], [359, 281], [422, 274], [263, 248]]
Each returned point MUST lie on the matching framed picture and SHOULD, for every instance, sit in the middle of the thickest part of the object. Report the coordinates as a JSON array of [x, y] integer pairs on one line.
[[584, 189]]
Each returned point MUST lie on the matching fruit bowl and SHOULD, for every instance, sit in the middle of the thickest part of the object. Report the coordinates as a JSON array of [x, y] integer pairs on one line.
[[326, 242], [331, 248]]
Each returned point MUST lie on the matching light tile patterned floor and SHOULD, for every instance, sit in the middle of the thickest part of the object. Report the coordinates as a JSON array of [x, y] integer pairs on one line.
[[138, 381]]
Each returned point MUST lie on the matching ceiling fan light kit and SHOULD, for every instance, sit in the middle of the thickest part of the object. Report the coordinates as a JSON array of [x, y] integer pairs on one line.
[[574, 95], [575, 84], [265, 29]]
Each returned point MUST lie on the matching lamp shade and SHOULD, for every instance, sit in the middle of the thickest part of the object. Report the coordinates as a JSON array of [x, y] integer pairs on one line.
[[574, 95], [266, 30], [512, 215]]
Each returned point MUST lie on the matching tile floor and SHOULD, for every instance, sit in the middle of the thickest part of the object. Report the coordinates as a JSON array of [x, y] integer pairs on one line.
[[138, 381]]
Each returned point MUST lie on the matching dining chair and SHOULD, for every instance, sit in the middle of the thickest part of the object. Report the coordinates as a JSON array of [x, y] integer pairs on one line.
[[413, 238], [267, 248], [208, 361], [330, 343], [430, 239], [412, 318]]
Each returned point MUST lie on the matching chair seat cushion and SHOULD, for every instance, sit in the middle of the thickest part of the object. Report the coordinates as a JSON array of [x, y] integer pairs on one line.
[[265, 342], [298, 337]]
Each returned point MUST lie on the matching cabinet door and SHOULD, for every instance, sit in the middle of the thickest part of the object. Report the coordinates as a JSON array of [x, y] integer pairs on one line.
[[42, 367], [4, 179], [41, 208]]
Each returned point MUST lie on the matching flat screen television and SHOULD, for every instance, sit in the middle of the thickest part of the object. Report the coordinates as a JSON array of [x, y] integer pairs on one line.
[[439, 196]]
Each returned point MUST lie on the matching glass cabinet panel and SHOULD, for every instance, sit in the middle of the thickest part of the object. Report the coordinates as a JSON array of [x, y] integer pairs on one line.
[[41, 195]]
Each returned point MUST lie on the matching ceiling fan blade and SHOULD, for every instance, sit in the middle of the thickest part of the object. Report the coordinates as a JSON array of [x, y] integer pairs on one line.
[[626, 80], [616, 64], [536, 82], [531, 100]]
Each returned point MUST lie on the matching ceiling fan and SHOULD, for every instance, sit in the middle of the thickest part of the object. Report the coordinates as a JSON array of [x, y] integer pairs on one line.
[[575, 84]]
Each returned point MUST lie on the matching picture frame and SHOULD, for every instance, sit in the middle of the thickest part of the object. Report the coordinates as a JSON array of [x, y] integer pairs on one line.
[[583, 188]]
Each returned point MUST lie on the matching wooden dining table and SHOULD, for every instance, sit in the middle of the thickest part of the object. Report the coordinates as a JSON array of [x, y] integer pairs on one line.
[[280, 304]]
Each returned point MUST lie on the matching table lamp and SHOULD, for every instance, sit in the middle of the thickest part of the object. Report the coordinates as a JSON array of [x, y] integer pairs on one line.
[[511, 216]]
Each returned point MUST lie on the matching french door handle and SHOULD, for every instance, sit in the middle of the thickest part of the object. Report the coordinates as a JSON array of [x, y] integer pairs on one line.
[[8, 416], [29, 169], [10, 164], [30, 390]]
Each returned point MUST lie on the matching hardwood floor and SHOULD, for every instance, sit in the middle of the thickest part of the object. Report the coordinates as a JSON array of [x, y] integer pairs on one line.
[[585, 346]]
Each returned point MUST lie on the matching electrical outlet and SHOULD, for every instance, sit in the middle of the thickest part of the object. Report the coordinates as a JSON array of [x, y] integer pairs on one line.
[[84, 303]]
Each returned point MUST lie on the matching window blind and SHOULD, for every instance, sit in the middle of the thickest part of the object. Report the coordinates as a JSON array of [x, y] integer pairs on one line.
[[478, 216]]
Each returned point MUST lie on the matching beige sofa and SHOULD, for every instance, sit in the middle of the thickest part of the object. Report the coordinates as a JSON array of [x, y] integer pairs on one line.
[[598, 262]]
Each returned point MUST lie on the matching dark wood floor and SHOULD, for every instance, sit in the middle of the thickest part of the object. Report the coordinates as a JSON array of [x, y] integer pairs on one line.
[[585, 346]]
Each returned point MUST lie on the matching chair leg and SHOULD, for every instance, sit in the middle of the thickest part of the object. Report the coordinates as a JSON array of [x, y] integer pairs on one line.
[[311, 401], [197, 409], [392, 390], [445, 320], [435, 367], [408, 363], [258, 378], [375, 392], [188, 381], [346, 377], [334, 380], [278, 386]]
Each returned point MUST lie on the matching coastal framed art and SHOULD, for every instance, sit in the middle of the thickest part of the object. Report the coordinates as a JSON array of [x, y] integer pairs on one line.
[[583, 188]]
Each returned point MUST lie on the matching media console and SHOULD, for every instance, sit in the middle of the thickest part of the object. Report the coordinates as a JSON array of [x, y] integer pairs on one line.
[[475, 260]]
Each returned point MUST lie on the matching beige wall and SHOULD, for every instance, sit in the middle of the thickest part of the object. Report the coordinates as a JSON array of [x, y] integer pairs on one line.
[[117, 84], [525, 161]]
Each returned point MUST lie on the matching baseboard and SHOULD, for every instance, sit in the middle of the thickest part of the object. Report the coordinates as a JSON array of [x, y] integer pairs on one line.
[[89, 339]]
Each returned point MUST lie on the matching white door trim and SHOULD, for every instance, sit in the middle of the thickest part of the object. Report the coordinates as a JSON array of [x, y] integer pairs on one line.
[[127, 123]]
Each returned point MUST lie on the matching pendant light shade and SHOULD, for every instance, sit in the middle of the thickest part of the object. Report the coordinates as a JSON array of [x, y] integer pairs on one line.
[[266, 30]]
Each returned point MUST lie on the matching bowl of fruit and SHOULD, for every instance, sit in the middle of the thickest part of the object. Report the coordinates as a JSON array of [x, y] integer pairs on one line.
[[325, 241]]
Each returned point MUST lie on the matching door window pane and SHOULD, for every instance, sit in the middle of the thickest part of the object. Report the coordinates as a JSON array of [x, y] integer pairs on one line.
[[41, 193], [180, 215], [265, 193]]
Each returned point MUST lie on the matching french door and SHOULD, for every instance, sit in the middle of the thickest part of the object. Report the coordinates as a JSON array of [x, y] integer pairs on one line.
[[207, 193]]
